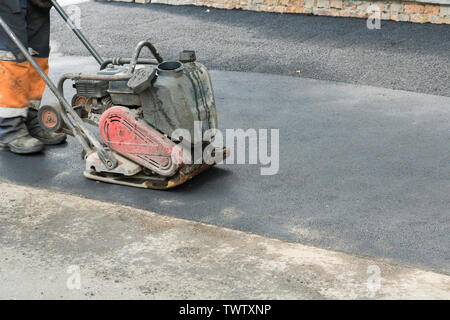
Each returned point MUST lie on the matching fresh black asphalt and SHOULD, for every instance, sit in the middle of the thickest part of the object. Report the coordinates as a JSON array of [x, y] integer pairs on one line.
[[407, 56]]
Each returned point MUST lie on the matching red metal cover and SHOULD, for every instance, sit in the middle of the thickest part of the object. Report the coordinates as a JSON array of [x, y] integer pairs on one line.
[[134, 139]]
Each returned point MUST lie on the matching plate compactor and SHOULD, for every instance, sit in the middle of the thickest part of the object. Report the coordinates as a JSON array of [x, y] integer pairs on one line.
[[139, 106]]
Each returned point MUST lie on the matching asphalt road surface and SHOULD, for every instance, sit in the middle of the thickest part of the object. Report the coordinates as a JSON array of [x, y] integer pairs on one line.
[[363, 170], [407, 56]]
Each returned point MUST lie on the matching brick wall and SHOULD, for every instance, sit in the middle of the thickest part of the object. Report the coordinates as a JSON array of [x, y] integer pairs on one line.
[[420, 11]]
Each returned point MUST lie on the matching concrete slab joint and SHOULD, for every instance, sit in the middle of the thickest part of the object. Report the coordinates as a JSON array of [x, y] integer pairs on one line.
[[323, 3], [309, 4]]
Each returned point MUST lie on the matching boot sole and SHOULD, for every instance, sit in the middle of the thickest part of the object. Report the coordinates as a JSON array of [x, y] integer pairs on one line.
[[53, 141], [22, 151]]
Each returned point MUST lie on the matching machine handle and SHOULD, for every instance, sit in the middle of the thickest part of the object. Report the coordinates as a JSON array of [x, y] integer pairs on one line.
[[77, 32], [138, 50], [108, 158]]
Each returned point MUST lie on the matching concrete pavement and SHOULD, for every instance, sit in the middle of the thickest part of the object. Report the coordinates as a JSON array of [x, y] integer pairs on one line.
[[60, 246]]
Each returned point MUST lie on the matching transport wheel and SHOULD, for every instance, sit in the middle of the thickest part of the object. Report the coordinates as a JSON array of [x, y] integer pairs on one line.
[[49, 117]]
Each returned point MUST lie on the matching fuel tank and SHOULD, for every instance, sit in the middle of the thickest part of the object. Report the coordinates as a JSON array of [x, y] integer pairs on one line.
[[181, 94]]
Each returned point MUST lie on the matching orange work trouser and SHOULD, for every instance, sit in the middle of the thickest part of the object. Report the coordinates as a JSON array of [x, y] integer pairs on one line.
[[19, 82]]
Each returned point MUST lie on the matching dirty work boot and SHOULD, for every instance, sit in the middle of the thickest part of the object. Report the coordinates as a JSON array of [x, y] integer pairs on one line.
[[36, 131], [23, 145], [14, 136]]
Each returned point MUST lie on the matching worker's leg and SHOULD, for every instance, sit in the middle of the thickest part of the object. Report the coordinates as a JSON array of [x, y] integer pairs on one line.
[[38, 30], [14, 84]]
